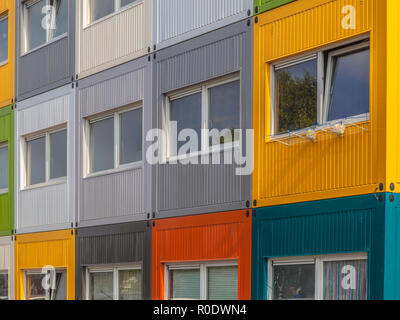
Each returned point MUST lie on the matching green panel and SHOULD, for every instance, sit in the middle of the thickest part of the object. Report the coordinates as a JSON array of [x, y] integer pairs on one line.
[[265, 5], [7, 199], [346, 225]]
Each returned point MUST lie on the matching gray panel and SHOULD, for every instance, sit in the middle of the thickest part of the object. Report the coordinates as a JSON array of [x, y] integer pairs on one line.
[[117, 196], [193, 189], [47, 67], [114, 244]]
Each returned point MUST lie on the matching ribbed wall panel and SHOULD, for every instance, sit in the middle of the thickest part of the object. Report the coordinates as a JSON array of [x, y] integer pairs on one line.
[[126, 88], [5, 257], [114, 195], [43, 206], [177, 17]]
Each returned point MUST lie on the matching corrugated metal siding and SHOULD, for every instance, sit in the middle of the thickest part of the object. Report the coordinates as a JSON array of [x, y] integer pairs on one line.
[[114, 244], [179, 20], [7, 262], [218, 236], [346, 225], [206, 188], [5, 257], [123, 195], [98, 46], [48, 67], [50, 207], [331, 167]]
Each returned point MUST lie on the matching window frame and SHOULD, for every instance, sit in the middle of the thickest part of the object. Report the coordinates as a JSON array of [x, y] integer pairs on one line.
[[116, 146], [114, 269], [202, 88], [203, 267], [28, 272], [5, 145], [6, 272], [26, 34], [48, 181], [4, 16], [317, 261], [324, 78]]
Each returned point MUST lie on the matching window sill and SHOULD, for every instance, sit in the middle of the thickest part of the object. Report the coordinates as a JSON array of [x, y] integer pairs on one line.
[[45, 184], [3, 63], [120, 169], [62, 36], [3, 192]]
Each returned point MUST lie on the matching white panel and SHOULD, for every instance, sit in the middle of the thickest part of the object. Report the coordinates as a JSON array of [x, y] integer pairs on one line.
[[4, 257]]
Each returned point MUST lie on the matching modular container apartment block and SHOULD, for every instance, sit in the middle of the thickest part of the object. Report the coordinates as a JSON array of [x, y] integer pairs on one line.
[[179, 20], [115, 181], [46, 129], [7, 49], [318, 239], [346, 155], [187, 77], [45, 46], [6, 268], [202, 257], [114, 262], [110, 33], [50, 254]]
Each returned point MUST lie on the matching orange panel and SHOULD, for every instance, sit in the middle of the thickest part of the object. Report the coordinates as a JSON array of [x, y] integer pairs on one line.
[[201, 238]]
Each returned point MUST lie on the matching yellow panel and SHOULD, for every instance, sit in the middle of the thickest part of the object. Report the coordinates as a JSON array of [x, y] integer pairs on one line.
[[34, 251], [332, 166], [7, 71]]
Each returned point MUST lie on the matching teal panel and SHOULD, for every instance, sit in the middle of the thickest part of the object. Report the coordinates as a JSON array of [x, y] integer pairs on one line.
[[7, 199], [265, 5], [346, 225]]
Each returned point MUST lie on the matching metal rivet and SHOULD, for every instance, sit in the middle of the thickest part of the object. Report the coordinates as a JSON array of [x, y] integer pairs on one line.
[[381, 198], [381, 186], [248, 23], [256, 9], [254, 213], [249, 12], [154, 56], [391, 198], [154, 215], [154, 47], [392, 186], [247, 213], [148, 49], [149, 58], [247, 203], [256, 20], [154, 223], [255, 202], [148, 216]]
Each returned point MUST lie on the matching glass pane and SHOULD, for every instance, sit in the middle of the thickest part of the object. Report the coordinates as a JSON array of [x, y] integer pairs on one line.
[[3, 286], [58, 154], [36, 34], [130, 148], [37, 160], [4, 167], [3, 39], [349, 95], [35, 290], [222, 283], [225, 110], [294, 282], [61, 20], [184, 284], [296, 97], [101, 286], [345, 280], [101, 8], [130, 284], [186, 112], [126, 2], [59, 292], [102, 145]]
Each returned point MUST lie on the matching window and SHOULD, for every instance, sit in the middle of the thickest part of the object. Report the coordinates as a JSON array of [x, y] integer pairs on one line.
[[214, 281], [212, 111], [116, 283], [44, 21], [115, 140], [322, 277], [46, 157], [320, 88], [3, 39], [3, 168], [36, 287], [102, 8], [3, 285]]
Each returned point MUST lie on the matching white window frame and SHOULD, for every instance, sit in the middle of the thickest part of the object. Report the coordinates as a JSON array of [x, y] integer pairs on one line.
[[318, 261], [323, 79], [3, 17], [5, 272], [115, 272], [202, 266], [48, 180], [87, 11], [205, 120], [5, 145], [117, 166], [29, 272], [26, 32]]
